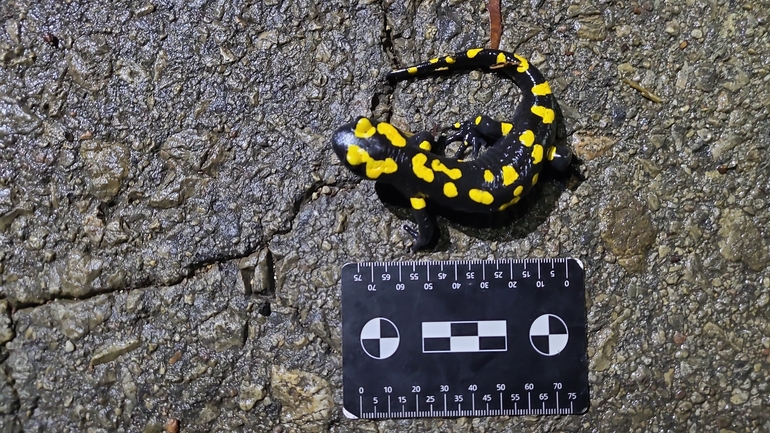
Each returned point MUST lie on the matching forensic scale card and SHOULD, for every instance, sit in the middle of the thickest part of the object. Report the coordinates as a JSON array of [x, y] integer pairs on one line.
[[464, 338]]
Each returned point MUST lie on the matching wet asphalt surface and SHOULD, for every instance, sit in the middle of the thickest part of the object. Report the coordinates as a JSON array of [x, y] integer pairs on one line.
[[173, 221]]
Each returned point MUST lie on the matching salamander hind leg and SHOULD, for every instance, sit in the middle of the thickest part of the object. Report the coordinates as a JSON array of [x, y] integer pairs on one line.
[[477, 132], [468, 136], [559, 157]]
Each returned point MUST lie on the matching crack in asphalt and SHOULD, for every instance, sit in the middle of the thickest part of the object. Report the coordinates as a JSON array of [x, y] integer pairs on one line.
[[383, 95], [189, 270]]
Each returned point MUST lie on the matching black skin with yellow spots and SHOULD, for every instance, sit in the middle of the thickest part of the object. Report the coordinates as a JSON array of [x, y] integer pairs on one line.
[[500, 177]]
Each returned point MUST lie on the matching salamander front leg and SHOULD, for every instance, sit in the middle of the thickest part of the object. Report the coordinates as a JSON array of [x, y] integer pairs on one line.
[[424, 140], [426, 224]]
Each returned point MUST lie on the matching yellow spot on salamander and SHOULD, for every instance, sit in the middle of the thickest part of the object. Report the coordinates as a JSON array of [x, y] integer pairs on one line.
[[412, 70], [392, 134], [537, 154], [478, 120], [417, 203], [449, 60], [552, 153], [517, 192], [488, 176], [419, 168], [425, 145], [374, 167], [453, 173], [510, 203], [472, 53], [435, 60], [481, 196], [457, 125], [546, 113], [534, 178], [501, 58], [527, 138], [364, 128], [509, 175], [506, 127], [541, 89], [524, 63], [450, 190]]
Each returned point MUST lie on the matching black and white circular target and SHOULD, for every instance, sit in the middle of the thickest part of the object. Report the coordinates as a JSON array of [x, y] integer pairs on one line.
[[548, 335], [379, 338]]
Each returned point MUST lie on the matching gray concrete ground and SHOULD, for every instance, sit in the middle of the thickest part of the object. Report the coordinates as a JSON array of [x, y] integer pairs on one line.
[[172, 220]]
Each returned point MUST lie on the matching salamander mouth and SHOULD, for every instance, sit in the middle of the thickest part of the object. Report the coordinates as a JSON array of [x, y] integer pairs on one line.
[[342, 139], [346, 145]]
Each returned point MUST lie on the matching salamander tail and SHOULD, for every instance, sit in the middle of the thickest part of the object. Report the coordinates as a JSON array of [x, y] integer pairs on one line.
[[475, 58]]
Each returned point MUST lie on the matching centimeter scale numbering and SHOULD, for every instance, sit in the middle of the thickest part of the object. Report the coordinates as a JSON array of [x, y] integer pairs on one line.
[[468, 403], [464, 338]]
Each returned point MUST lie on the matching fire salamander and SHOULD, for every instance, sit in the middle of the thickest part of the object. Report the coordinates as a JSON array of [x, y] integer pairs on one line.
[[500, 177]]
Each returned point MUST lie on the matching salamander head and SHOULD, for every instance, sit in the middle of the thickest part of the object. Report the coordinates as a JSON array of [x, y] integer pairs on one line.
[[363, 150]]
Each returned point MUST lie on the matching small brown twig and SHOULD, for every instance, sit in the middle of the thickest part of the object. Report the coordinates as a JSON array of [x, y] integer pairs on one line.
[[644, 91], [495, 24]]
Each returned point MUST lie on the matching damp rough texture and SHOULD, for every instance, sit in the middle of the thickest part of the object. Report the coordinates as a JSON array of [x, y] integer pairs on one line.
[[173, 220]]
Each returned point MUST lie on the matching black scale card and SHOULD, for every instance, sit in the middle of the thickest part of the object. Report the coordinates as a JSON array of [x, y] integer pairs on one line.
[[468, 338]]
